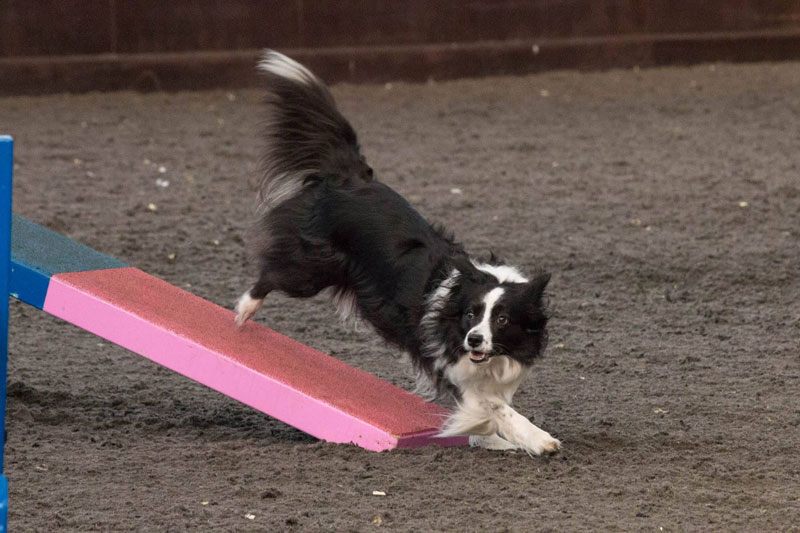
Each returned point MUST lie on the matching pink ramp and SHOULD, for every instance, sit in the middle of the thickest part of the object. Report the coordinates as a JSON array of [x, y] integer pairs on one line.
[[283, 378]]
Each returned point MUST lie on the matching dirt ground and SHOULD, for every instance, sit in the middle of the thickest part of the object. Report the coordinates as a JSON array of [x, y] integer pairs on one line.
[[665, 202]]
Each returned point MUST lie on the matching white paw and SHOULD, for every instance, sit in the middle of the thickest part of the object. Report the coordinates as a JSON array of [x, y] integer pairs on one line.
[[246, 307], [543, 443]]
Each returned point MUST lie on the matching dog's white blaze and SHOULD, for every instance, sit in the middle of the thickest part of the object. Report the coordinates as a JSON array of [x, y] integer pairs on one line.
[[285, 67], [503, 273], [484, 327]]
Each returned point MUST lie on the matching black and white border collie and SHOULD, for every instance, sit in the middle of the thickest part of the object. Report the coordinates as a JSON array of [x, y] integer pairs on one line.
[[472, 329]]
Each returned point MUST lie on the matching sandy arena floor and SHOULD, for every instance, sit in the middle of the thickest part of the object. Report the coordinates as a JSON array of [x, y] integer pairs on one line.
[[665, 202]]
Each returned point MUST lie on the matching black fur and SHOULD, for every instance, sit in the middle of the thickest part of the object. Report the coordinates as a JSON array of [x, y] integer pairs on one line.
[[342, 230]]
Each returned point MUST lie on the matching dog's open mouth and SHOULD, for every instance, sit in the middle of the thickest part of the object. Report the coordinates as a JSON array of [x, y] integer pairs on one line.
[[478, 357]]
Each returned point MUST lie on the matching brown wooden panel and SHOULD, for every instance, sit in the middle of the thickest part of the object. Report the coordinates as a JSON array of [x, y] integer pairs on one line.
[[46, 27], [152, 25], [52, 27], [80, 45], [370, 23], [687, 16], [182, 25], [141, 72], [205, 70], [157, 26]]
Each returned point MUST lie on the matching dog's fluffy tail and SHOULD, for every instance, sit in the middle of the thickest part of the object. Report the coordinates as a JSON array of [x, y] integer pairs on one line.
[[307, 137]]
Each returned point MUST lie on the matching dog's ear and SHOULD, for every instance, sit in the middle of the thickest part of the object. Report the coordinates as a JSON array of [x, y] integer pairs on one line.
[[536, 286], [367, 174]]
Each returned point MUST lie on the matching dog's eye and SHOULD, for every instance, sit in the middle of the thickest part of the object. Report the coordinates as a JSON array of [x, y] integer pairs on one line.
[[470, 315], [502, 320]]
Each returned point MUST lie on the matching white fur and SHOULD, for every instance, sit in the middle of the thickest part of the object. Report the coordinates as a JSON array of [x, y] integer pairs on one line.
[[489, 416], [484, 327], [279, 189], [285, 67], [503, 273], [246, 307], [439, 297], [499, 377], [519, 430], [346, 304], [487, 391], [424, 387], [491, 442], [432, 344]]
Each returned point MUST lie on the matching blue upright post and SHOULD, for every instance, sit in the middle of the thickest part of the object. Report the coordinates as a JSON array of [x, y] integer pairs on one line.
[[6, 172]]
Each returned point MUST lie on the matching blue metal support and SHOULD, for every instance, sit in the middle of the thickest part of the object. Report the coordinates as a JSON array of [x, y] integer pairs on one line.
[[6, 172]]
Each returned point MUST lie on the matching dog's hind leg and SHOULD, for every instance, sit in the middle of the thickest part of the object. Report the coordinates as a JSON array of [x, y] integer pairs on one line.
[[251, 301]]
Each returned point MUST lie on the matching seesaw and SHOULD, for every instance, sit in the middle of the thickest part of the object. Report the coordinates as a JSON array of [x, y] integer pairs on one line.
[[283, 378]]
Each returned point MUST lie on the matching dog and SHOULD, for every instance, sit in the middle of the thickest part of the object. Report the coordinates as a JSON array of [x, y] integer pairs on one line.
[[472, 328]]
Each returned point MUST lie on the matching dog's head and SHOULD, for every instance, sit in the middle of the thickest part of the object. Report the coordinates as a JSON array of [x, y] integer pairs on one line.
[[503, 316]]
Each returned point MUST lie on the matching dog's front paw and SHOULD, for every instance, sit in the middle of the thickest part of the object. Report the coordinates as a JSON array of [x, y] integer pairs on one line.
[[550, 445], [543, 444]]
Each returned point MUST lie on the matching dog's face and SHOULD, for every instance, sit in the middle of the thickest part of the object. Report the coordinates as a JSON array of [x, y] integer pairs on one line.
[[504, 319]]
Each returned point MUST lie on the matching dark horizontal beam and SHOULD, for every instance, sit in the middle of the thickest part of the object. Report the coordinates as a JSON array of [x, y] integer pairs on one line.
[[77, 27], [236, 68]]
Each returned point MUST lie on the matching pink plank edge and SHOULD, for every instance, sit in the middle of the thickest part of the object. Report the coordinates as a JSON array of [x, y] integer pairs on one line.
[[267, 371]]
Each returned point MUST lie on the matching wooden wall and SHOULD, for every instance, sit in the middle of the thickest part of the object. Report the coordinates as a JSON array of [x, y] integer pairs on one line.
[[82, 45]]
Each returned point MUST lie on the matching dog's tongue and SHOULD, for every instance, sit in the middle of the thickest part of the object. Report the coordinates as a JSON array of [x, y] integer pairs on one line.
[[477, 356]]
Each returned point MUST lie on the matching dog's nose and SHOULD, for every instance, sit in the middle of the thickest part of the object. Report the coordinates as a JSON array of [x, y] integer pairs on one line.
[[474, 340]]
